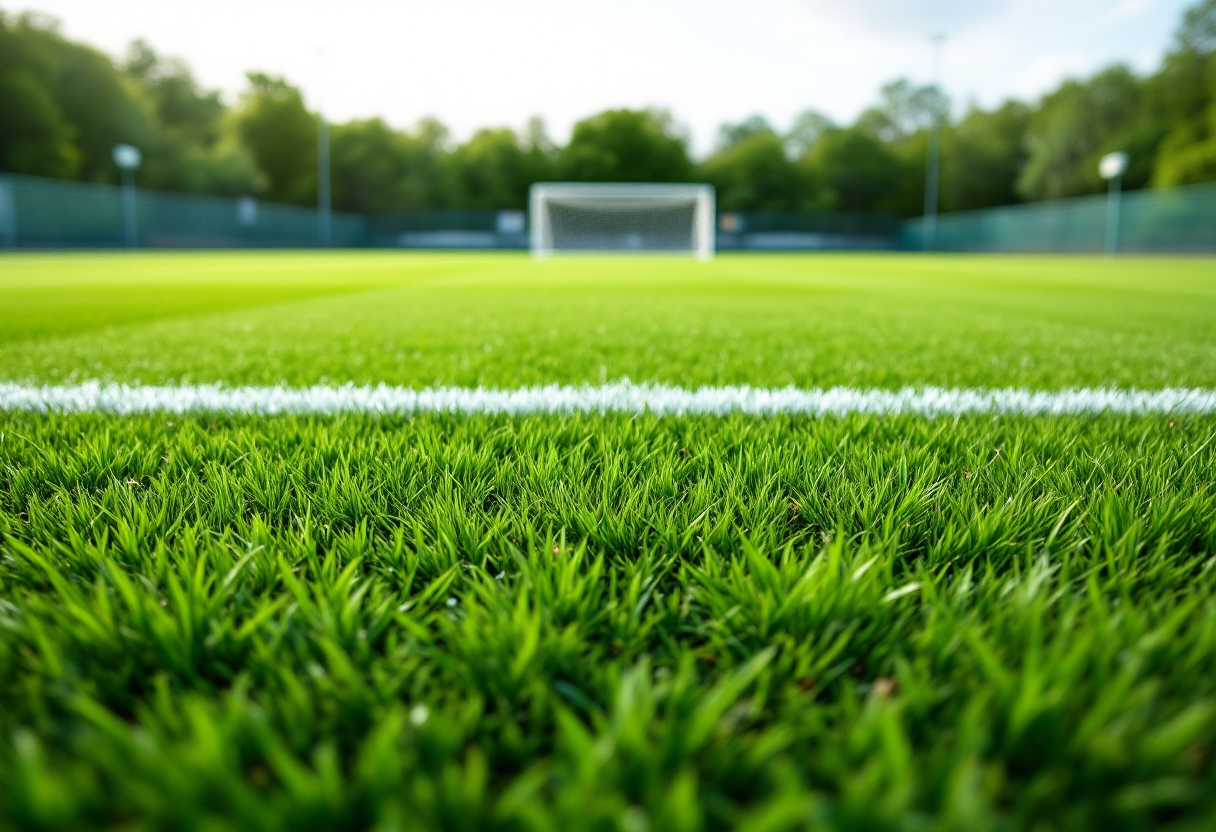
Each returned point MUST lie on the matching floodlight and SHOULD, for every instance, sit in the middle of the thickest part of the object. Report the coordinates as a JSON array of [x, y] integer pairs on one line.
[[1113, 165], [127, 156]]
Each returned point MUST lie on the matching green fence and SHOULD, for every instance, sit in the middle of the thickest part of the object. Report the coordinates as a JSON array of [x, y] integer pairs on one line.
[[1175, 220], [788, 231], [439, 228], [48, 213]]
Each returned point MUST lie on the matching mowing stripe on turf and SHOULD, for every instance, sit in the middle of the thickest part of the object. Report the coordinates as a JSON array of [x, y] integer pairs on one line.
[[618, 397]]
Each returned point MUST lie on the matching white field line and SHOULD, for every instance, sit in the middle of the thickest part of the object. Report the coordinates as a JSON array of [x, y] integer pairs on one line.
[[618, 397]]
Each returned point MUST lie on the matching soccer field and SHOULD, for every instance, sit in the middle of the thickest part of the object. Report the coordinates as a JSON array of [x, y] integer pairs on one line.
[[771, 320], [608, 618]]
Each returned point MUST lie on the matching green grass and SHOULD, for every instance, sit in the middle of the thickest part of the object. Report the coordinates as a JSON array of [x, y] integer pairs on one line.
[[608, 622], [883, 321]]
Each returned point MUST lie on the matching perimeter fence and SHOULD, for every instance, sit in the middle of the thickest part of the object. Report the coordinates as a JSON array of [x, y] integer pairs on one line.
[[788, 231], [51, 213], [1159, 221]]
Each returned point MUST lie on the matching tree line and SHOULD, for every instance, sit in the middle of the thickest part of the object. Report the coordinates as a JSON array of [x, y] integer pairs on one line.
[[63, 105]]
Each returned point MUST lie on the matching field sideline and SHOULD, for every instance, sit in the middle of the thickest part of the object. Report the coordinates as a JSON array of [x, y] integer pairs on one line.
[[616, 397], [966, 593]]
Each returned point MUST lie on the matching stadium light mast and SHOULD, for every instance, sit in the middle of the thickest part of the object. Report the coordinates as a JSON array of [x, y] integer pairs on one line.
[[1111, 167], [933, 163], [128, 157], [324, 213]]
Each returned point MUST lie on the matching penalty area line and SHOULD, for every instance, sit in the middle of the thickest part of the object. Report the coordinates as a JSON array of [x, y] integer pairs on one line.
[[616, 397]]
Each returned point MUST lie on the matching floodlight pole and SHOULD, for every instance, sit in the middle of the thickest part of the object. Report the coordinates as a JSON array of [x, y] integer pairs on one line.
[[128, 207], [128, 158], [324, 212], [933, 163], [1114, 198], [1111, 167]]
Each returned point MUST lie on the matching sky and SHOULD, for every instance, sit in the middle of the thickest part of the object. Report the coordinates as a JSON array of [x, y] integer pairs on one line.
[[478, 63]]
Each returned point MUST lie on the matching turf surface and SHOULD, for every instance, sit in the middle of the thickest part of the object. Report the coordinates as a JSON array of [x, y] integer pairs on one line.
[[608, 622], [881, 321]]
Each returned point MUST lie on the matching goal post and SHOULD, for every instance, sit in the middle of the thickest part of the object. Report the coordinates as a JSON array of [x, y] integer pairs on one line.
[[621, 217]]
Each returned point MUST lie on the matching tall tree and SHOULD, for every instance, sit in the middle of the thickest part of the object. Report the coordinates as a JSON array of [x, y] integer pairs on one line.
[[903, 110], [809, 127], [104, 109], [755, 174], [731, 134], [63, 106], [494, 169], [368, 160], [1074, 126], [35, 137], [281, 133], [179, 102], [190, 150], [1186, 90], [983, 156], [377, 168], [626, 146], [428, 180], [864, 173]]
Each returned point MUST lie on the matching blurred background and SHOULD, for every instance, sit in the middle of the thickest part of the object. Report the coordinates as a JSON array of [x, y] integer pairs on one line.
[[821, 124]]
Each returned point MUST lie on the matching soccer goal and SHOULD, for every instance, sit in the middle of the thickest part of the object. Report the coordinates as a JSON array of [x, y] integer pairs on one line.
[[574, 217]]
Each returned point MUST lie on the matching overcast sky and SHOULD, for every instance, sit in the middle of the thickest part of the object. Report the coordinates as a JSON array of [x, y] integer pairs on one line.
[[475, 63]]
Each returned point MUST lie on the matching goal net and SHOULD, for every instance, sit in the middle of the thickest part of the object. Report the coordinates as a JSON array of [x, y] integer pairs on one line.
[[621, 217]]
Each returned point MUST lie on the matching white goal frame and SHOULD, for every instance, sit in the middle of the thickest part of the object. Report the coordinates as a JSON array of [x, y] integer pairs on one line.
[[619, 199]]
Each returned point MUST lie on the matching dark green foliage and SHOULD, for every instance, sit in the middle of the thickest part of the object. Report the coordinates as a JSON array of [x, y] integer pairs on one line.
[[731, 134], [878, 164], [754, 173], [192, 151], [862, 171], [809, 127], [179, 102], [986, 152], [65, 106], [903, 111], [102, 109], [281, 134], [1186, 88], [376, 168], [609, 623], [626, 146], [495, 169], [1074, 127], [34, 138], [1165, 122]]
